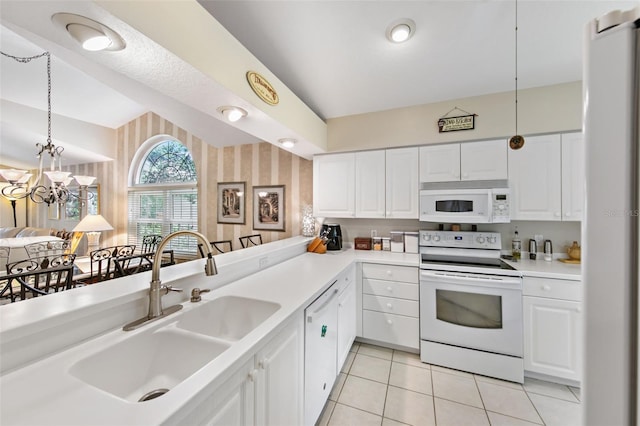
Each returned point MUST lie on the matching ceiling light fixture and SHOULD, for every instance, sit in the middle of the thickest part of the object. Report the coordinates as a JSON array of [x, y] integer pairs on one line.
[[91, 35], [401, 30], [232, 113], [57, 192], [287, 142]]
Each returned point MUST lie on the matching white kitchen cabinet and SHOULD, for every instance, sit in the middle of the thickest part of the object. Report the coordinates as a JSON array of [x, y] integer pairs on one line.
[[279, 384], [469, 161], [233, 402], [390, 304], [546, 177], [484, 160], [346, 315], [267, 389], [440, 163], [552, 311], [370, 184], [402, 185], [334, 185], [535, 179], [573, 176]]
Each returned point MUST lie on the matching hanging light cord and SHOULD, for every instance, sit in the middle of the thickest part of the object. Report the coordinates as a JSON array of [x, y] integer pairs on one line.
[[516, 78]]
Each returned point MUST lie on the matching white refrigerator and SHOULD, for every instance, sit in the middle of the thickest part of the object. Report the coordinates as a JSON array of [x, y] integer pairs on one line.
[[610, 229]]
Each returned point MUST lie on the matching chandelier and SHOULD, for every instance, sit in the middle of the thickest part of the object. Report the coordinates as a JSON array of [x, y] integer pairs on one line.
[[57, 191]]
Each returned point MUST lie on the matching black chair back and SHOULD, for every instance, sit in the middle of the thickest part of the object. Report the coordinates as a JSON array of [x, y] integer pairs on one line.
[[103, 261], [222, 246], [47, 248], [39, 276], [150, 243], [251, 240]]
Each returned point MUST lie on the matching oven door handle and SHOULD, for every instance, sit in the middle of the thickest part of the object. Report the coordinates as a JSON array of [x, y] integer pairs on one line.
[[452, 277]]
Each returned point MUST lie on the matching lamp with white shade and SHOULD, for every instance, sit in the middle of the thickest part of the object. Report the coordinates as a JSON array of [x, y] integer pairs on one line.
[[93, 225]]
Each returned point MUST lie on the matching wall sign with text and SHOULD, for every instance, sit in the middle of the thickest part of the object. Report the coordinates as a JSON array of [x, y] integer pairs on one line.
[[262, 88], [454, 124]]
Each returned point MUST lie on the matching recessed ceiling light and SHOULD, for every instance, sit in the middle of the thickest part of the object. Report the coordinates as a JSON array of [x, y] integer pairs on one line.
[[401, 30], [91, 35], [287, 142], [232, 113]]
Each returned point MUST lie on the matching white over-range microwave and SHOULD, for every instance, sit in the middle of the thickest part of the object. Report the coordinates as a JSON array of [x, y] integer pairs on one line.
[[465, 205]]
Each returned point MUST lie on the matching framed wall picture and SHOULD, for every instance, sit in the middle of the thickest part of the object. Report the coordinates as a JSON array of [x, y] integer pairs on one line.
[[268, 208], [231, 202]]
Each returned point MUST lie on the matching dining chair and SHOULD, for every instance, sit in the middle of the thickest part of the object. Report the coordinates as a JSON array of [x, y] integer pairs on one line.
[[251, 240], [150, 243], [222, 246], [4, 257], [46, 248], [39, 276], [103, 262]]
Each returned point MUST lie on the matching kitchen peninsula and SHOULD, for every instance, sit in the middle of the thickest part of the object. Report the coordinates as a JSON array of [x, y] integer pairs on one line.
[[43, 341]]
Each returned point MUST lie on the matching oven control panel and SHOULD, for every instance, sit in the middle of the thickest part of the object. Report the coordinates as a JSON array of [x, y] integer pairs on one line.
[[462, 239]]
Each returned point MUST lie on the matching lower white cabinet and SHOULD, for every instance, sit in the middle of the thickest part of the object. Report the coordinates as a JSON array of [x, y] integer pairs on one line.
[[390, 304], [268, 389], [553, 327]]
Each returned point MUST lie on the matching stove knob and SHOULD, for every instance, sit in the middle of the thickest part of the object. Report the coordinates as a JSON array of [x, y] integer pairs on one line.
[[436, 238], [492, 240], [480, 239], [426, 237]]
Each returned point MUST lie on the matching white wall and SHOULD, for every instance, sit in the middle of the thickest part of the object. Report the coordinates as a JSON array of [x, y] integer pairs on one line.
[[547, 109]]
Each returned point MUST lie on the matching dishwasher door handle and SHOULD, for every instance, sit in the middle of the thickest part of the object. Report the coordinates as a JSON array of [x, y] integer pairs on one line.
[[321, 308]]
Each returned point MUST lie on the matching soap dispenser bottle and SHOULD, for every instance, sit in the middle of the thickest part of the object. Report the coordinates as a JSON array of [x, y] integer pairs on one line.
[[516, 246]]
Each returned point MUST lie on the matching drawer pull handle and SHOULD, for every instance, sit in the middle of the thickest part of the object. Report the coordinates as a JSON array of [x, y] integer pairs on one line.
[[389, 305], [389, 273], [389, 289], [546, 287], [578, 310], [389, 322]]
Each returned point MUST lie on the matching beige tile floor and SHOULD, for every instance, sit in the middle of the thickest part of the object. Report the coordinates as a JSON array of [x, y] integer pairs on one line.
[[380, 386]]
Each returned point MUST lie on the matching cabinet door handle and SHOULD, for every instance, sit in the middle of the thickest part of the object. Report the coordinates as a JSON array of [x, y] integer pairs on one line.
[[389, 322], [567, 214], [264, 363], [546, 287], [578, 309], [253, 375], [389, 273], [389, 305], [390, 289], [557, 214]]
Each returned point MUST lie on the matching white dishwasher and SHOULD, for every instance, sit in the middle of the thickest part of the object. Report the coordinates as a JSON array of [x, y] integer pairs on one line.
[[320, 348]]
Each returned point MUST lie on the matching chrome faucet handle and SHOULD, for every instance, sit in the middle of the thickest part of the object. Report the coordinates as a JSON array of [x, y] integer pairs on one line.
[[196, 292]]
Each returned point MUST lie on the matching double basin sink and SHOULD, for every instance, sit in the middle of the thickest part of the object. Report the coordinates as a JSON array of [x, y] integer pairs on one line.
[[150, 363]]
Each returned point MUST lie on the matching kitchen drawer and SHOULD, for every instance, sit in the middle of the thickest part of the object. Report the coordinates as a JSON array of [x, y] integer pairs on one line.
[[390, 328], [391, 305], [408, 274], [552, 288], [390, 289]]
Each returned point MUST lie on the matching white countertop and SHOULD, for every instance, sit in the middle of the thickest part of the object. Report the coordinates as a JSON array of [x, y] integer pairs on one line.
[[543, 269], [60, 398]]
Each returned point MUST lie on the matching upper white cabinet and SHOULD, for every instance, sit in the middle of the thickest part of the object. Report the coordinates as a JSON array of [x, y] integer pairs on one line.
[[402, 184], [547, 178], [368, 184], [573, 176], [486, 160], [334, 185], [440, 163]]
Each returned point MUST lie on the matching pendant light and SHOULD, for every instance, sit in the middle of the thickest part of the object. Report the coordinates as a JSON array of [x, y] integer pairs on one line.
[[516, 141]]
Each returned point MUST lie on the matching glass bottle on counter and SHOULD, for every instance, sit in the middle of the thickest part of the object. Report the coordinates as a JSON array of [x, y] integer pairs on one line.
[[516, 246]]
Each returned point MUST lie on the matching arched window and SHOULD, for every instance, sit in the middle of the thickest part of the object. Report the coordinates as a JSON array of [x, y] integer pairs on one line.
[[163, 193]]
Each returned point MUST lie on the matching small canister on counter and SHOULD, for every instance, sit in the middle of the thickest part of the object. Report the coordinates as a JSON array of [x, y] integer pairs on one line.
[[386, 244], [362, 243], [397, 241], [377, 243], [411, 242]]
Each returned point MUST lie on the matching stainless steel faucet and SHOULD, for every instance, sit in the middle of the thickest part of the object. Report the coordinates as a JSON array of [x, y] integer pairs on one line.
[[157, 290]]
